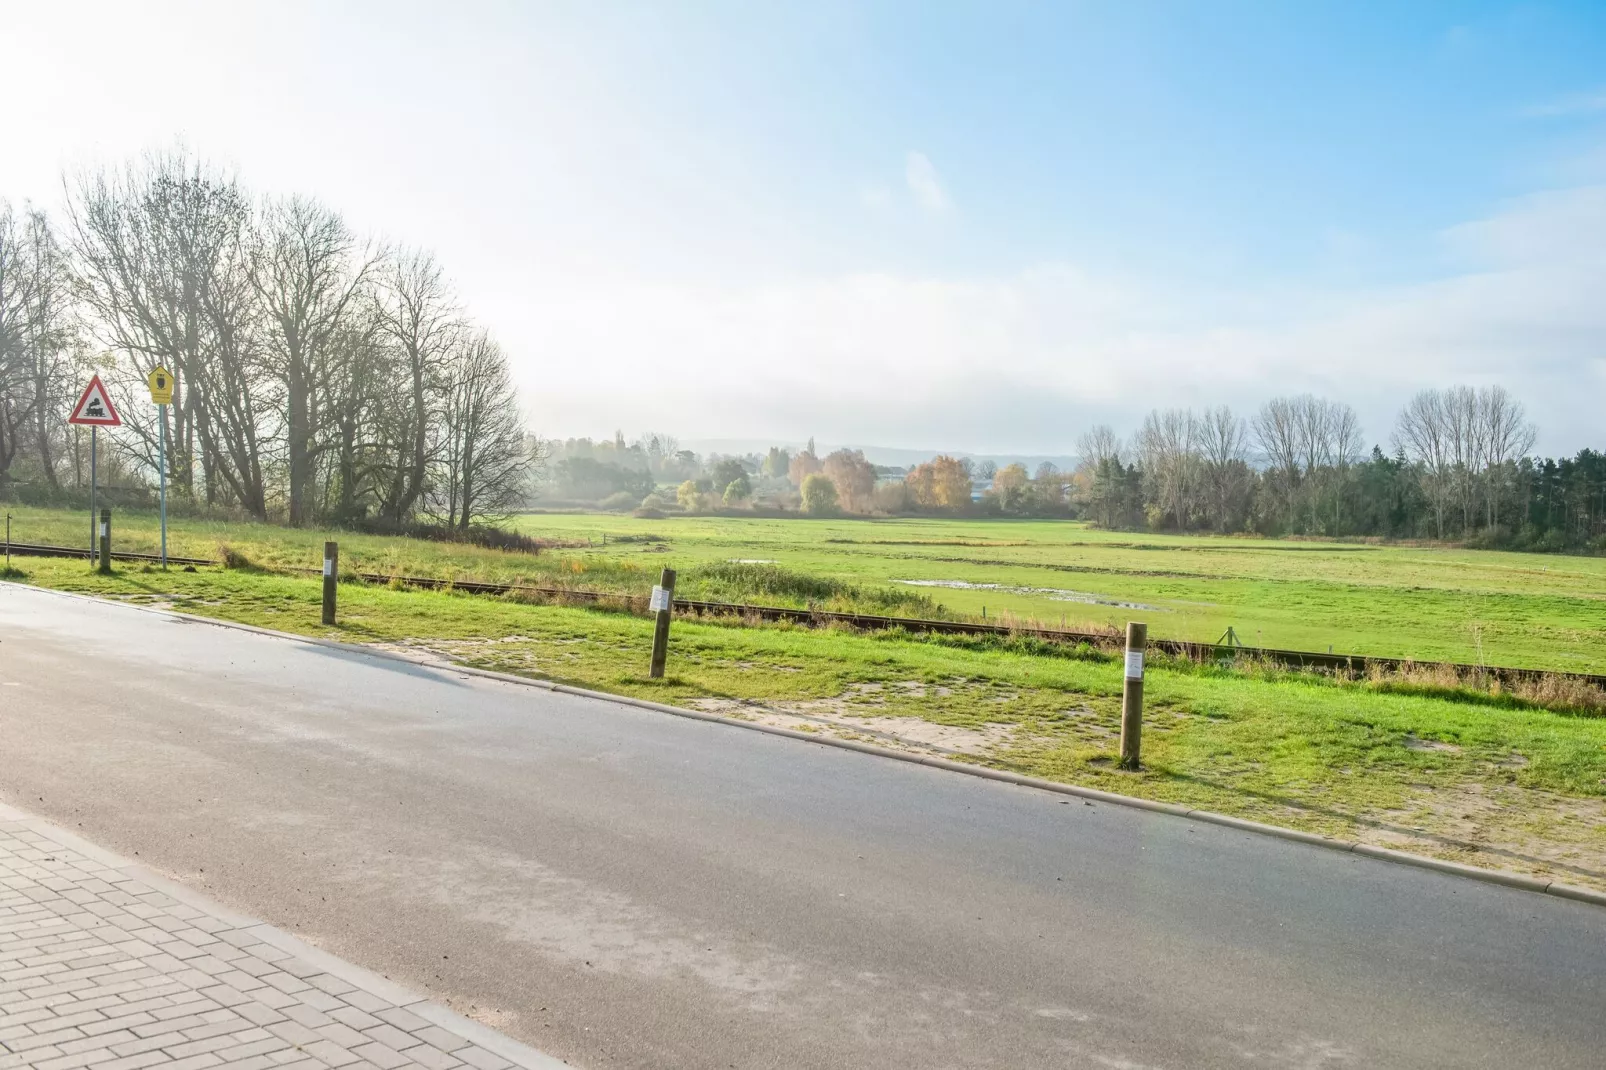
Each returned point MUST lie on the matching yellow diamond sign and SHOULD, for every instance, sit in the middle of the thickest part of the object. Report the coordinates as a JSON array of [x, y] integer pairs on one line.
[[161, 384]]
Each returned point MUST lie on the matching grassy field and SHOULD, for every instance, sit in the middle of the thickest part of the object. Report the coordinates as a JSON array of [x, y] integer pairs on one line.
[[1532, 611], [1456, 775], [1426, 603]]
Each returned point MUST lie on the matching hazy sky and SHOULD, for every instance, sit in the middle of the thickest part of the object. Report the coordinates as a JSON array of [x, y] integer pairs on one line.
[[975, 227]]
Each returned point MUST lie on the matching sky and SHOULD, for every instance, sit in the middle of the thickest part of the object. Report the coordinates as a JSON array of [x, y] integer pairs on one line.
[[973, 227]]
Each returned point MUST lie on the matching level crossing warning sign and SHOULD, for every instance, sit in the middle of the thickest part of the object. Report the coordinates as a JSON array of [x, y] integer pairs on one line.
[[95, 407]]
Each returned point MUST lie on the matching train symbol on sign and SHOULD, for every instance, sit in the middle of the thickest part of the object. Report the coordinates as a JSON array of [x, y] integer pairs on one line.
[[95, 407]]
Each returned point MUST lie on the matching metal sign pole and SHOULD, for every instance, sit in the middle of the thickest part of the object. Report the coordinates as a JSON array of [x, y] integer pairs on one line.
[[93, 432], [161, 464], [95, 408]]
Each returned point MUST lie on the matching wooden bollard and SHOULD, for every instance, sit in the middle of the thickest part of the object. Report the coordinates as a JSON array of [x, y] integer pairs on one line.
[[331, 577], [1137, 638], [663, 601], [105, 540]]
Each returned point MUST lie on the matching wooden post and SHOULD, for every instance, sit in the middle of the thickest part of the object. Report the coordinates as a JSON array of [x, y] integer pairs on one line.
[[105, 540], [1137, 638], [331, 575], [664, 600]]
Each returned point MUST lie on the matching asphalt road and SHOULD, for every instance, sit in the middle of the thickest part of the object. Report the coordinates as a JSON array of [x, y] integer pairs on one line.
[[623, 888]]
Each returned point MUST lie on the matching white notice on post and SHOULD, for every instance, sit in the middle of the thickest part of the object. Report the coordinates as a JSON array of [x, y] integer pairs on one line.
[[1134, 664], [328, 567], [660, 600]]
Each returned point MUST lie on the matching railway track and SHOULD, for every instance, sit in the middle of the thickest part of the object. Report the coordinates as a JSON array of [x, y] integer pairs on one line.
[[1347, 664], [28, 549]]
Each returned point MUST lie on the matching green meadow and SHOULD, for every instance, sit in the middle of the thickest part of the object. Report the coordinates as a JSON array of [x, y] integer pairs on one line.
[[1422, 602], [1427, 603]]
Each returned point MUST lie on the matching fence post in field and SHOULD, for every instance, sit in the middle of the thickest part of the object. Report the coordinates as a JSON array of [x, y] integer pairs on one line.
[[1137, 637], [105, 540], [663, 600], [331, 560]]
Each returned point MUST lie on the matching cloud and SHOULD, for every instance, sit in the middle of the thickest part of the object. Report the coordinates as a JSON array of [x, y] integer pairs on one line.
[[1552, 227], [1024, 361], [923, 182], [1571, 104], [875, 195]]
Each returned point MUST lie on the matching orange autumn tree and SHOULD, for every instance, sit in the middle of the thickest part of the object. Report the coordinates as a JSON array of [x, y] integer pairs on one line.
[[854, 478], [940, 483]]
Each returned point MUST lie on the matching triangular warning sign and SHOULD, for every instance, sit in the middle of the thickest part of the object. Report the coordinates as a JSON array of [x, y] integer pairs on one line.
[[95, 407]]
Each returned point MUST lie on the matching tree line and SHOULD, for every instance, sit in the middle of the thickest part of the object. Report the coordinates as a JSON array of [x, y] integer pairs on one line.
[[322, 376], [1457, 467]]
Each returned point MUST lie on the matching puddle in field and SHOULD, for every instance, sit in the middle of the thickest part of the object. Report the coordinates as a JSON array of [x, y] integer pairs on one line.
[[1413, 743], [1054, 594]]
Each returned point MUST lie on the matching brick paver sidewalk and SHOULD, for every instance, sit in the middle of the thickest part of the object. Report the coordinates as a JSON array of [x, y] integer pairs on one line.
[[107, 966]]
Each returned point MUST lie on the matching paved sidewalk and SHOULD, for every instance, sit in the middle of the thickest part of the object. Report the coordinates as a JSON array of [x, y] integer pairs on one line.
[[106, 965]]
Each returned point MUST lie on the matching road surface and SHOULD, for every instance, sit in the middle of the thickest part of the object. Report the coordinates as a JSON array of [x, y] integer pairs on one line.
[[623, 888]]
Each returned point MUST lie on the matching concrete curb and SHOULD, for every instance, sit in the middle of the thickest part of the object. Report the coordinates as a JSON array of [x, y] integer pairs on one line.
[[384, 988], [1404, 858]]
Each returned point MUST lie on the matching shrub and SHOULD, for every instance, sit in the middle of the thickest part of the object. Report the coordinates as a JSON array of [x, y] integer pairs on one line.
[[484, 535], [747, 581], [738, 490], [819, 494], [686, 494], [232, 558]]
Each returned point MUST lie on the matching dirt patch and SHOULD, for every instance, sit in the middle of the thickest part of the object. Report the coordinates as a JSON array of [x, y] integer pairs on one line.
[[1088, 725], [419, 653], [1413, 743], [828, 716], [1504, 826]]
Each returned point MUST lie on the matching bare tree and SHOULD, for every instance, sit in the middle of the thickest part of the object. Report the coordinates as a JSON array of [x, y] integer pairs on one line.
[[17, 397], [484, 457], [1167, 445], [1506, 437], [37, 334], [1331, 436], [307, 270], [1425, 434], [159, 264], [421, 322], [1098, 445], [356, 366], [1277, 433], [660, 448], [1466, 445], [1223, 439], [51, 337]]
